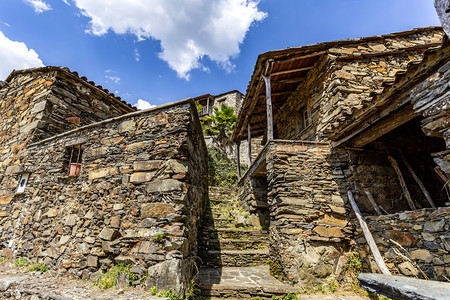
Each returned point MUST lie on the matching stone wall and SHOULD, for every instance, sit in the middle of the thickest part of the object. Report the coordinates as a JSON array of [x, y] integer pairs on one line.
[[424, 234], [309, 228], [137, 200]]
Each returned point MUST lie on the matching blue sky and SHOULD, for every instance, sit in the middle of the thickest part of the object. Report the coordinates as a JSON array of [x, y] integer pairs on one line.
[[165, 50]]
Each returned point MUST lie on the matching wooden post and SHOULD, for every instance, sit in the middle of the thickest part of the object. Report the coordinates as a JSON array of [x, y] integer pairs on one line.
[[269, 109], [372, 245], [238, 158], [249, 141], [419, 182], [402, 182], [372, 201], [207, 105]]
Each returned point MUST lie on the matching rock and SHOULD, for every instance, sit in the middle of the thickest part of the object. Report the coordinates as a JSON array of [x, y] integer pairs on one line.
[[124, 260], [176, 166], [104, 172], [156, 210], [114, 222], [140, 177], [328, 231], [166, 185], [344, 75], [399, 287], [92, 261], [108, 234], [406, 268], [64, 239], [71, 220], [422, 254], [106, 247], [428, 236], [403, 238], [146, 165], [172, 274], [126, 126], [5, 283], [434, 226], [377, 47], [338, 209], [242, 220], [119, 206]]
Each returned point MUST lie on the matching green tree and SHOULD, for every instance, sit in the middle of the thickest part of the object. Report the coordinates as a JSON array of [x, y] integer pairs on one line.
[[220, 125]]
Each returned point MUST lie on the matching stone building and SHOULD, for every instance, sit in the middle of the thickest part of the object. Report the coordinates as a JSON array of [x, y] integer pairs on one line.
[[87, 181], [359, 115]]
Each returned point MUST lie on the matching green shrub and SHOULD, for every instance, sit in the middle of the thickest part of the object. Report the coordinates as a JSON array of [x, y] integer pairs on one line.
[[21, 262], [40, 267], [159, 237], [222, 171], [111, 277]]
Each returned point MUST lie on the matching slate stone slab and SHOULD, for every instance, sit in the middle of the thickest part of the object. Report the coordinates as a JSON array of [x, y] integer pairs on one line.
[[404, 288]]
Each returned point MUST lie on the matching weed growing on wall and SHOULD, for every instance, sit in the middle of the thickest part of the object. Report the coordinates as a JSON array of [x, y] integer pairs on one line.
[[222, 171]]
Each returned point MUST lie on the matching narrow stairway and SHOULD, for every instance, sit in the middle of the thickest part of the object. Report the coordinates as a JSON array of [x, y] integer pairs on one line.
[[234, 252]]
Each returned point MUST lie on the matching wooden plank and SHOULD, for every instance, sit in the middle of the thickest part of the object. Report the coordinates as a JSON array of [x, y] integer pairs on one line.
[[291, 71], [369, 238], [402, 182], [269, 109], [372, 201], [417, 179], [249, 141], [384, 126]]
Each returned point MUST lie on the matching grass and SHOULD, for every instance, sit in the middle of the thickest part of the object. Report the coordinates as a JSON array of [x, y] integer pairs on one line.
[[40, 267], [21, 262], [159, 237], [110, 278]]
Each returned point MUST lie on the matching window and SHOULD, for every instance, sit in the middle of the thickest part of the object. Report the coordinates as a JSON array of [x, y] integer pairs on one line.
[[302, 119], [22, 183], [74, 153]]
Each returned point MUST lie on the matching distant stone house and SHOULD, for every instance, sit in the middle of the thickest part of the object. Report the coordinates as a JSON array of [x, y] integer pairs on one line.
[[336, 117], [87, 181]]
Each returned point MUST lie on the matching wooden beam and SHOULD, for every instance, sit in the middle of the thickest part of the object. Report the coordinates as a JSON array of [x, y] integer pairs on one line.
[[384, 126], [269, 109], [402, 182], [372, 201], [372, 245], [289, 80], [249, 141], [291, 71], [291, 59], [251, 107], [417, 179], [238, 158]]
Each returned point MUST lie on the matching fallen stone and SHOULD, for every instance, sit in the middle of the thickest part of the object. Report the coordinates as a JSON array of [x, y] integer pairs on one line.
[[5, 283], [172, 274], [399, 287], [406, 268]]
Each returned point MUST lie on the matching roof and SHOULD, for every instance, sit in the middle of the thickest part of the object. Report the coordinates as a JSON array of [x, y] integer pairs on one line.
[[288, 68], [403, 82], [73, 74]]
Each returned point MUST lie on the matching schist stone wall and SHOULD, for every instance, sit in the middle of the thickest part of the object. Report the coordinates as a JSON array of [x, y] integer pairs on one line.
[[137, 200], [309, 227], [411, 242]]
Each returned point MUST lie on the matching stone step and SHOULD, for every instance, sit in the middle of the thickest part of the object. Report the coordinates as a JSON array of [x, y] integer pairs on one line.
[[234, 244], [219, 222], [234, 258], [233, 233], [241, 282]]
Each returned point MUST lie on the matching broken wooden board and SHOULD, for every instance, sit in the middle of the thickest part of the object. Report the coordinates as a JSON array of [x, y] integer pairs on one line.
[[404, 288]]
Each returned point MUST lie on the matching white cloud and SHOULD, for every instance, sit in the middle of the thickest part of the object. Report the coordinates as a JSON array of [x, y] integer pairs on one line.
[[16, 55], [112, 76], [188, 30], [142, 104], [6, 24], [39, 6], [66, 2], [137, 55]]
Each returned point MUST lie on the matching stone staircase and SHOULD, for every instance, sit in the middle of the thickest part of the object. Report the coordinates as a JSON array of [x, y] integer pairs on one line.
[[234, 252]]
